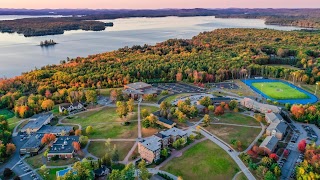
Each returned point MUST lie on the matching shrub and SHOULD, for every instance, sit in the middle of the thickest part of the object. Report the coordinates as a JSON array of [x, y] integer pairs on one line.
[[7, 173]]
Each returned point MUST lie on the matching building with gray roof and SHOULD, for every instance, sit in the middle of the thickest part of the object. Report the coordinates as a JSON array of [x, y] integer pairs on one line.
[[36, 122], [63, 147], [150, 147], [134, 90], [273, 117], [269, 144], [277, 129], [32, 146], [56, 130]]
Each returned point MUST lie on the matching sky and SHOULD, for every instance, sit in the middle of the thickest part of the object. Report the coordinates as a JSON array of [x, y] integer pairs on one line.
[[157, 4]]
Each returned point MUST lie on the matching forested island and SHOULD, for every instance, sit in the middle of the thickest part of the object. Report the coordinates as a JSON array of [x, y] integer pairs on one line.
[[50, 26], [47, 43], [215, 56], [86, 19]]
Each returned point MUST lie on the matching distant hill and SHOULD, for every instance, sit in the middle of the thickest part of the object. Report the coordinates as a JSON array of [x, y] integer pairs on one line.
[[307, 18]]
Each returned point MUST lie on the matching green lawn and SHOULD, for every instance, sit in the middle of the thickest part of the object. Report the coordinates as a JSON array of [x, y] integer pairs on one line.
[[13, 122], [204, 161], [245, 135], [107, 124], [235, 118], [35, 161], [6, 113], [98, 149], [174, 97], [49, 173], [279, 90]]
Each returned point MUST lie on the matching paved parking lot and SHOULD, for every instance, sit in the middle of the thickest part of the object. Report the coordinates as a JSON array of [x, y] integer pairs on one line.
[[289, 165], [224, 85], [179, 87], [25, 172]]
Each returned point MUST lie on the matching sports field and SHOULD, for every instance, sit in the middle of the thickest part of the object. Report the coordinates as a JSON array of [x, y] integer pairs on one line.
[[279, 90]]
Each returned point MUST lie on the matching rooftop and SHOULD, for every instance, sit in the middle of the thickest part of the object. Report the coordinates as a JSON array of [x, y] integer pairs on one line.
[[33, 142], [279, 126], [274, 116], [36, 121], [54, 129], [162, 119], [138, 85], [270, 142], [152, 143], [63, 144], [174, 132]]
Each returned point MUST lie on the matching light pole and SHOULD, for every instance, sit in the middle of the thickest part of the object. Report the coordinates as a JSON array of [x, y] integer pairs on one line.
[[317, 85]]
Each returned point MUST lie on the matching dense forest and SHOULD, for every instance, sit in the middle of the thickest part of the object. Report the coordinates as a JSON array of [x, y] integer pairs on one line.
[[84, 18], [209, 57], [49, 26]]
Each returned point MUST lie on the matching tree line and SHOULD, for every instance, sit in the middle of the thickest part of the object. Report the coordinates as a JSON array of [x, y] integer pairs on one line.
[[215, 56]]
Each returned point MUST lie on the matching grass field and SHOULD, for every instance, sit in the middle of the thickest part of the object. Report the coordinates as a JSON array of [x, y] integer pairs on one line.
[[107, 124], [49, 173], [98, 149], [279, 90], [235, 118], [205, 161], [6, 113], [227, 133]]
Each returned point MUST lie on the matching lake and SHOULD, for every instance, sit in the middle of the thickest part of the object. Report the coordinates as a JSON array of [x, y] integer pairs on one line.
[[21, 54]]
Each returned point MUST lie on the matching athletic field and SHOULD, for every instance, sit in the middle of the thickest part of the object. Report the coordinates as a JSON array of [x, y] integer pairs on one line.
[[279, 90]]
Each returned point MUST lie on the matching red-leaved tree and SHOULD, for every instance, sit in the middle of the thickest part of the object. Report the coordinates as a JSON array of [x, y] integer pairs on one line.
[[273, 156], [302, 145], [76, 145], [48, 138], [219, 111], [298, 111]]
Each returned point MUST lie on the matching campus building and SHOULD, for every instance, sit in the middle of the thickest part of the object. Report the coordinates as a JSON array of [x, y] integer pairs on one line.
[[164, 121], [137, 89], [63, 147], [277, 129], [56, 130], [269, 144], [150, 148], [71, 107], [36, 122], [273, 117], [32, 146], [257, 106]]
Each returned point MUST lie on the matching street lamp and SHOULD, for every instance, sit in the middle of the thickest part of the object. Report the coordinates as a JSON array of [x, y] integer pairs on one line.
[[317, 85]]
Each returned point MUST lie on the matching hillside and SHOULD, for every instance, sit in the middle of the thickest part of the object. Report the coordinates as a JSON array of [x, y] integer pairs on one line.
[[209, 57]]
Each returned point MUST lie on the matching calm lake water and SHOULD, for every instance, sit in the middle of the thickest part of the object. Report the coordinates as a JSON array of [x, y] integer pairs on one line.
[[20, 54]]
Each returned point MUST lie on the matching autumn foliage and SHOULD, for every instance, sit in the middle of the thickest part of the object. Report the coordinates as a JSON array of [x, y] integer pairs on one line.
[[302, 145], [273, 156], [10, 148], [76, 145], [48, 138], [297, 111], [219, 111], [77, 132]]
